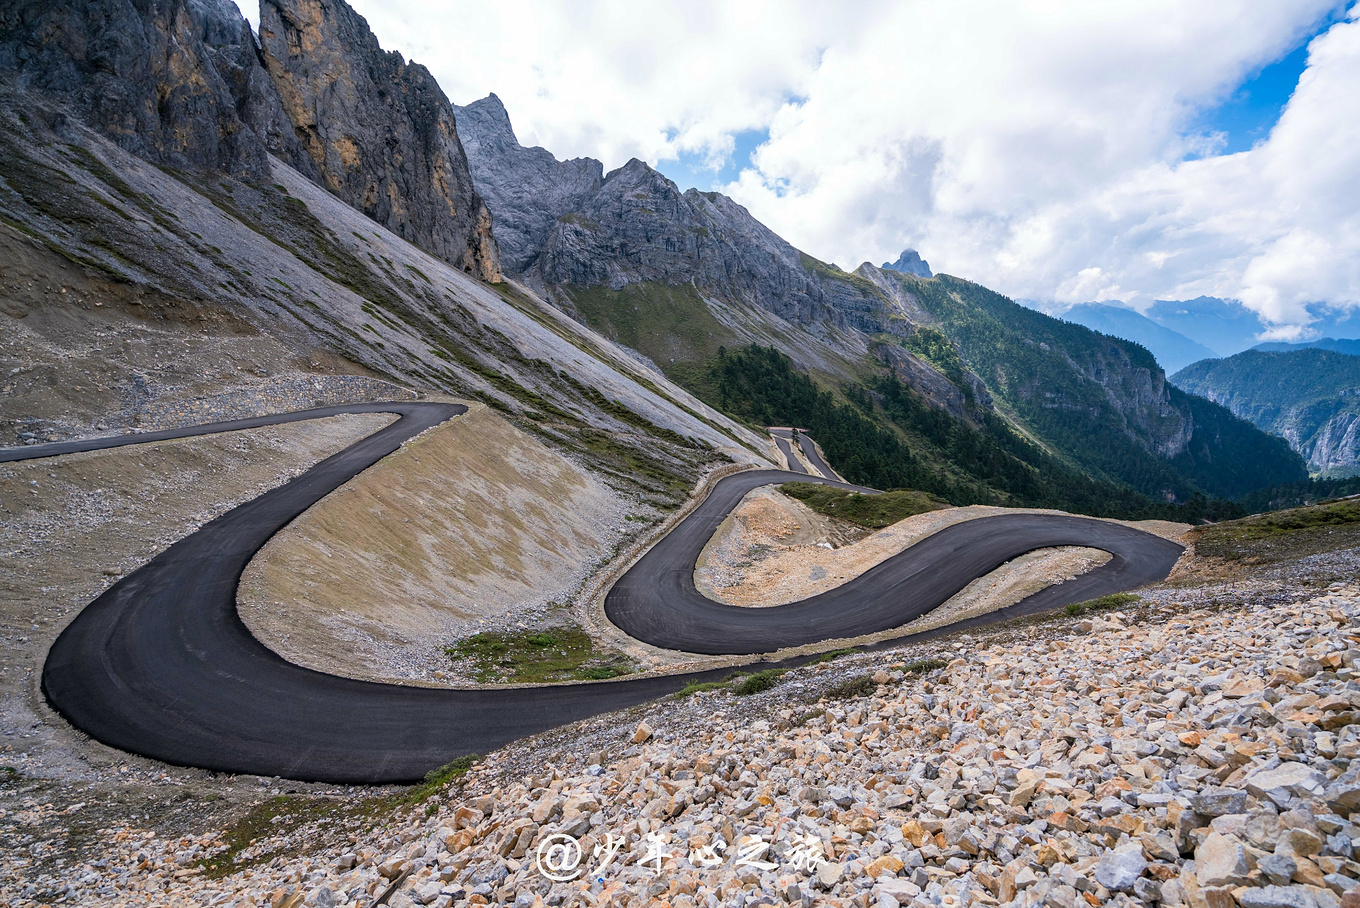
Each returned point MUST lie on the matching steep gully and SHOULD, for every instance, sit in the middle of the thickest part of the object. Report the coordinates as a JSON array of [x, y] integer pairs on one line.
[[161, 664]]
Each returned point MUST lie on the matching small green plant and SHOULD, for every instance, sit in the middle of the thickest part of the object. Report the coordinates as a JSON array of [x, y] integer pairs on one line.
[[921, 666], [436, 779], [558, 653], [1103, 604], [833, 655], [698, 687], [856, 686], [601, 672], [759, 682]]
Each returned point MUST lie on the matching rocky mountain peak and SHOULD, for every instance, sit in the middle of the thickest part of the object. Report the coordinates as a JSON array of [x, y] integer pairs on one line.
[[184, 83], [527, 188], [378, 129], [909, 262]]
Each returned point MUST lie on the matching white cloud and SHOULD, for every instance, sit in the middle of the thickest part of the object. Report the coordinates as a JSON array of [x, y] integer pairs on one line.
[[1037, 147]]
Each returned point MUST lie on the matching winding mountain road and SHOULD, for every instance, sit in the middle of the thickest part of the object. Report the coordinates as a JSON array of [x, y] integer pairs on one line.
[[161, 664], [784, 443]]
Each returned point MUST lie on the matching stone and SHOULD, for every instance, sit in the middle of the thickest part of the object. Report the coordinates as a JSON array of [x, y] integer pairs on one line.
[[1217, 802], [829, 874], [1343, 795], [321, 897], [1221, 861], [1118, 870], [1285, 783], [1278, 868], [642, 732], [1277, 897], [884, 864], [1303, 842]]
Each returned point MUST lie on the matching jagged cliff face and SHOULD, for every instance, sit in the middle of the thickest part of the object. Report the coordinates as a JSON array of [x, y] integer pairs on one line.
[[183, 83], [137, 71], [1310, 397], [378, 129], [528, 188]]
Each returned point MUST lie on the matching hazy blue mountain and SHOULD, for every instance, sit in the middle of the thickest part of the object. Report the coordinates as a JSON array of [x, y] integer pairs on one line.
[[1309, 396], [1174, 351], [1337, 345], [1224, 326]]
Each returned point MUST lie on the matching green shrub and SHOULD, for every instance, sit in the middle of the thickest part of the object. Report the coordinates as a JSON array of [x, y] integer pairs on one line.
[[856, 686], [759, 682]]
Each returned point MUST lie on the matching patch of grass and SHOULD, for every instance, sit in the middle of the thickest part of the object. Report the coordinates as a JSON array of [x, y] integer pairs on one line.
[[921, 666], [759, 682], [1284, 535], [855, 686], [671, 326], [1103, 604], [698, 687], [437, 779], [833, 655], [871, 511], [559, 653]]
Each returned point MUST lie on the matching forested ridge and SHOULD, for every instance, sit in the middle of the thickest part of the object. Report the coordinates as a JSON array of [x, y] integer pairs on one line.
[[864, 439]]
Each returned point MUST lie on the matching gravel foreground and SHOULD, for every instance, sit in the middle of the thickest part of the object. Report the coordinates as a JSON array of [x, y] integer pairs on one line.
[[1197, 757]]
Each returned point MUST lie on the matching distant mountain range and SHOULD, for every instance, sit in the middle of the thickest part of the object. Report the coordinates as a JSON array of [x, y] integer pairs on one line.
[[1308, 395], [1174, 351], [1179, 332], [315, 185], [1343, 345]]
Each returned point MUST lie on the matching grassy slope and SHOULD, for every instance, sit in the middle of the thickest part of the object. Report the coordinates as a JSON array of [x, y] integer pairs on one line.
[[1284, 535], [871, 511]]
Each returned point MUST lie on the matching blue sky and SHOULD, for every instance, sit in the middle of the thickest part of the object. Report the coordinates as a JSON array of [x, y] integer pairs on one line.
[[693, 170], [1248, 114]]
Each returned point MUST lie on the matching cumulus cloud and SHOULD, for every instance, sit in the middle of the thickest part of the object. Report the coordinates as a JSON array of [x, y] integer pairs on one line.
[[1044, 148]]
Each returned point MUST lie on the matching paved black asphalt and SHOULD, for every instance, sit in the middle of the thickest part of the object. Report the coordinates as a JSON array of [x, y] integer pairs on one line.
[[814, 456], [161, 664], [782, 440]]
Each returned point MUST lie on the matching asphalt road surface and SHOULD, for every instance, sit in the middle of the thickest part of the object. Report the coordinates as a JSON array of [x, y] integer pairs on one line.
[[785, 448], [814, 456], [161, 664]]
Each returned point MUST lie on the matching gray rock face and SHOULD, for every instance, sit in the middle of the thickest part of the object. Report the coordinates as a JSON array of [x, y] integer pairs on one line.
[[231, 49], [183, 83], [909, 262], [139, 72], [378, 129], [527, 189], [640, 227]]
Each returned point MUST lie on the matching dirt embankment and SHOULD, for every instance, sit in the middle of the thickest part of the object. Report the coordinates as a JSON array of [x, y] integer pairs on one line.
[[474, 524]]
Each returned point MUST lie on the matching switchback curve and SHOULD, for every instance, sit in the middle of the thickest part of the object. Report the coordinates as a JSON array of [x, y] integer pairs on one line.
[[161, 664]]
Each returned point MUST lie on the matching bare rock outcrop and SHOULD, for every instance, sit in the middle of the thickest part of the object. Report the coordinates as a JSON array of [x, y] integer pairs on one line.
[[139, 72], [527, 188], [378, 129]]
